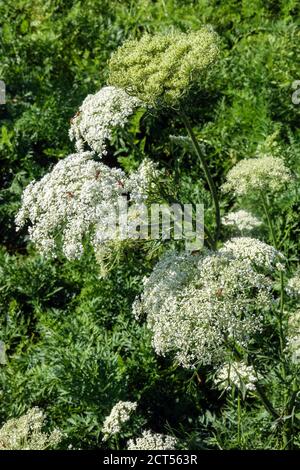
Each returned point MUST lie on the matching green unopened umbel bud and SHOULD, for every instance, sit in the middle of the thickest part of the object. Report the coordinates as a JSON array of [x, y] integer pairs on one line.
[[161, 68]]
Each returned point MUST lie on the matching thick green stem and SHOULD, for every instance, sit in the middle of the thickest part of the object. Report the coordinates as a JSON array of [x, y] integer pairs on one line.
[[280, 318], [208, 176], [266, 402], [239, 420], [273, 237], [210, 240]]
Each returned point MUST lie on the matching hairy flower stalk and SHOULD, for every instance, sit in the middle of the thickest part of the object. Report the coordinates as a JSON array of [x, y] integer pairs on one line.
[[209, 179]]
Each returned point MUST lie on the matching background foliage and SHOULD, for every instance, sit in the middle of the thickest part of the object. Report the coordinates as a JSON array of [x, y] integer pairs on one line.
[[73, 347]]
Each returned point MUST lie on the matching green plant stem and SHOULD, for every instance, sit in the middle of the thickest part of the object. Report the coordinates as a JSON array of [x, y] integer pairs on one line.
[[239, 419], [266, 402], [210, 240], [280, 316], [211, 184], [273, 237], [270, 223]]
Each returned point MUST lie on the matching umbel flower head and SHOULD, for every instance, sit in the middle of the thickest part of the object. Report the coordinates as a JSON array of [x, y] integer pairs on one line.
[[77, 201], [144, 180], [260, 254], [25, 433], [196, 306], [236, 374], [71, 201], [98, 115], [293, 337], [241, 221], [293, 285], [118, 416], [162, 67], [152, 441], [266, 173]]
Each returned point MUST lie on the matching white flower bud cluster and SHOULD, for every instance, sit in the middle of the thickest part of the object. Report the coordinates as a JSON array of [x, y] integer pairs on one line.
[[98, 115], [196, 306], [118, 416], [293, 285], [241, 221], [266, 173], [152, 441], [77, 201], [25, 433], [257, 252], [236, 374]]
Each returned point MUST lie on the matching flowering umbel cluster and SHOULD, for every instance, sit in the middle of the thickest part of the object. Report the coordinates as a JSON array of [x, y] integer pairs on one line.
[[69, 202], [260, 254], [293, 285], [25, 433], [236, 374], [197, 306], [161, 68], [98, 115], [152, 441], [293, 336], [78, 201], [266, 173], [241, 221], [118, 416], [143, 181]]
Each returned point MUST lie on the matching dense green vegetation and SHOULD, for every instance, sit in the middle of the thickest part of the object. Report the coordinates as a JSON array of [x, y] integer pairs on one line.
[[73, 346]]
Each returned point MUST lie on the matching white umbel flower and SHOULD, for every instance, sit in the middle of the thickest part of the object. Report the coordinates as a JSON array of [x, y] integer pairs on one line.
[[260, 254], [266, 173], [78, 201], [98, 115], [293, 285], [236, 374], [172, 272], [143, 180], [71, 202], [197, 305], [118, 416], [241, 221], [152, 441], [293, 337], [25, 433]]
